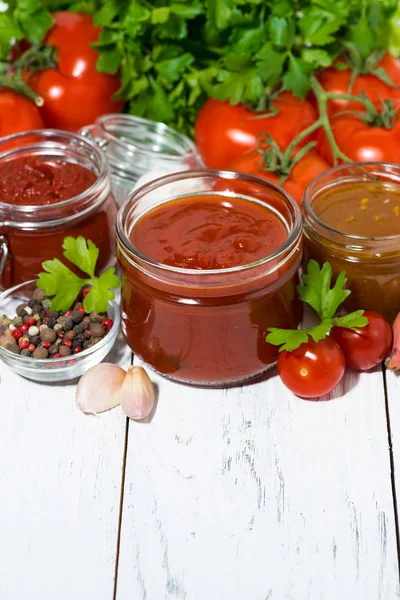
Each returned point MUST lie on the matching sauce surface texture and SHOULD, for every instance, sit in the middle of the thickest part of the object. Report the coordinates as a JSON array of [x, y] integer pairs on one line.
[[368, 209], [39, 181], [208, 231]]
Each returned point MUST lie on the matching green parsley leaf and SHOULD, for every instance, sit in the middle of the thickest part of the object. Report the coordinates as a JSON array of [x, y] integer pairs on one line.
[[171, 69], [281, 32], [33, 18], [99, 295], [290, 339], [297, 76], [59, 281], [354, 320], [82, 253], [270, 64], [316, 57], [316, 289], [218, 13], [64, 285]]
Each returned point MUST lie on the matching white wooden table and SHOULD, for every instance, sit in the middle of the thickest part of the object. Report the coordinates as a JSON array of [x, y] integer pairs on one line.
[[241, 494]]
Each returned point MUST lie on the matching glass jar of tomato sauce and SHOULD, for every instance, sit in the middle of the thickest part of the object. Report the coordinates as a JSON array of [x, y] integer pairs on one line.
[[136, 147], [53, 184], [209, 262], [352, 220]]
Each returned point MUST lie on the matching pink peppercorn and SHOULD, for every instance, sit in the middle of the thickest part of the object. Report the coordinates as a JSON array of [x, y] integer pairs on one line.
[[107, 323]]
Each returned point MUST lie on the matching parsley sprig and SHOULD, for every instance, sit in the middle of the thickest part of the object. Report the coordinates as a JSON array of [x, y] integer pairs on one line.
[[316, 291], [64, 285]]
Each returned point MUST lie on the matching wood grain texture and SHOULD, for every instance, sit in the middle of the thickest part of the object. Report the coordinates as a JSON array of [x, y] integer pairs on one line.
[[60, 484], [253, 494], [393, 405]]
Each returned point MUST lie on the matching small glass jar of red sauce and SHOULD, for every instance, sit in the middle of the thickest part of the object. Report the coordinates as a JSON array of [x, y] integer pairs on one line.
[[137, 147], [352, 220], [209, 262], [52, 184]]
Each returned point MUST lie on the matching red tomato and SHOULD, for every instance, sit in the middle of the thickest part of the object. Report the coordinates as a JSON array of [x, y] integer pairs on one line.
[[361, 141], [223, 131], [75, 93], [302, 173], [368, 346], [17, 113], [313, 369], [338, 82]]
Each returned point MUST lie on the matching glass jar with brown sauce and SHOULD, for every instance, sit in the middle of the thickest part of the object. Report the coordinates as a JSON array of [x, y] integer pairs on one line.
[[352, 220]]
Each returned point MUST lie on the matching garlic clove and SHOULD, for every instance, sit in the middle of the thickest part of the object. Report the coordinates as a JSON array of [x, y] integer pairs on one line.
[[99, 388], [137, 394]]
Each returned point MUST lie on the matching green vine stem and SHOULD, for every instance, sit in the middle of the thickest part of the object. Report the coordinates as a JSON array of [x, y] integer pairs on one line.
[[275, 160], [18, 86], [15, 75]]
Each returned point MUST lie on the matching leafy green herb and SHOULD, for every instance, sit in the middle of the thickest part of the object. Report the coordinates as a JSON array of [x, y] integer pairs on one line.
[[316, 291], [173, 54], [64, 285]]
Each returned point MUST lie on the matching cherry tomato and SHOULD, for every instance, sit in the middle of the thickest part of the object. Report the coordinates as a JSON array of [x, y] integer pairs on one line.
[[17, 113], [368, 346], [302, 172], [75, 93], [313, 369], [361, 141], [223, 131], [339, 81]]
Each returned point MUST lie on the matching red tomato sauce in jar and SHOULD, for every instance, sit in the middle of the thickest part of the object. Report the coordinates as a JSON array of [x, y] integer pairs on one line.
[[36, 181], [208, 232], [203, 277], [48, 191]]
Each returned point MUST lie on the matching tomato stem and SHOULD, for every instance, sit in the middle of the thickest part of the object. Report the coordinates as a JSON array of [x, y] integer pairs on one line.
[[322, 99], [18, 86], [37, 58]]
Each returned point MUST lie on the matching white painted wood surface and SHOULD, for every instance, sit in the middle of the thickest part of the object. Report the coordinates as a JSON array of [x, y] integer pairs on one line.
[[60, 485], [253, 494], [240, 494]]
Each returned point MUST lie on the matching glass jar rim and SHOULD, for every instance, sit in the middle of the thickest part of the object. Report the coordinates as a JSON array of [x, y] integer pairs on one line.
[[157, 127], [47, 135], [361, 166], [293, 235]]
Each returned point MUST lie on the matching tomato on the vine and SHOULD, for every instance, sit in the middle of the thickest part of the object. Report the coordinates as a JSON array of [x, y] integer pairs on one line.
[[302, 172], [75, 93], [223, 131], [368, 346], [17, 113], [339, 81], [313, 369], [361, 141]]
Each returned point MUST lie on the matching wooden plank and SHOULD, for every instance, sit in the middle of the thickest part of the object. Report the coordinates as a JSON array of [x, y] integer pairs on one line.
[[393, 413], [60, 485], [254, 494]]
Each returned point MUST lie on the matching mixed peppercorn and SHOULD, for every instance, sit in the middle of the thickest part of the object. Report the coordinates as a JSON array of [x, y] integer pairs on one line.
[[42, 333]]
